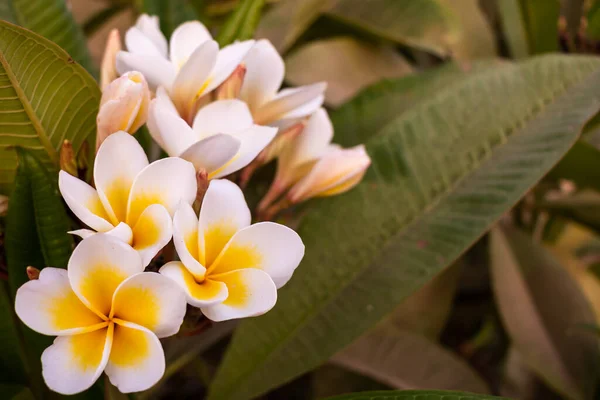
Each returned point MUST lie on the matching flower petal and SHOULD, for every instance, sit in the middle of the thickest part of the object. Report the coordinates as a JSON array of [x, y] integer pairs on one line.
[[224, 116], [152, 231], [119, 160], [287, 101], [83, 233], [273, 248], [227, 61], [152, 301], [253, 141], [264, 74], [166, 182], [251, 293], [137, 360], [49, 306], [122, 232], [138, 43], [156, 70], [224, 212], [83, 200], [198, 294], [304, 110], [150, 26], [169, 130], [185, 39], [73, 363], [185, 238], [97, 267], [212, 153]]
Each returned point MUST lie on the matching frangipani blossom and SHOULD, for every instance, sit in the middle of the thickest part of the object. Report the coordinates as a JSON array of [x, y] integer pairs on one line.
[[265, 71], [133, 200], [229, 268], [124, 106], [188, 68], [108, 315], [223, 138]]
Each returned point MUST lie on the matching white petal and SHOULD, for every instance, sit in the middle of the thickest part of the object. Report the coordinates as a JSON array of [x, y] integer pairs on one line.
[[152, 231], [254, 140], [185, 238], [49, 306], [73, 363], [169, 130], [212, 153], [152, 301], [151, 28], [287, 101], [185, 39], [137, 360], [163, 102], [83, 200], [227, 61], [167, 182], [251, 293], [122, 232], [224, 116], [197, 294], [224, 212], [273, 248], [97, 267], [304, 110], [156, 70], [119, 160], [264, 74], [83, 233], [138, 43]]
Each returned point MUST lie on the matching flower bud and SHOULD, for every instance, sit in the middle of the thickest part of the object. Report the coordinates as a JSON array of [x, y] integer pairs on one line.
[[230, 89], [338, 171], [67, 159], [3, 205], [124, 106], [108, 69], [32, 273]]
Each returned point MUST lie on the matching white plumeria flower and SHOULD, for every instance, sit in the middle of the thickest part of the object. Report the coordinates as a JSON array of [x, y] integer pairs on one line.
[[108, 315], [338, 171], [223, 138], [190, 67], [265, 71], [124, 106], [299, 155], [133, 200], [229, 268]]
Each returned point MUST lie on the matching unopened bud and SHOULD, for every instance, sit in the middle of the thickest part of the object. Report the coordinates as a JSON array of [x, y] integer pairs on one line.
[[230, 89], [202, 184], [32, 273], [3, 205], [108, 69], [68, 163]]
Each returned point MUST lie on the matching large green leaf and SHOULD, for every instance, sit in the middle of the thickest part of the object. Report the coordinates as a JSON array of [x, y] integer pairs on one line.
[[544, 312], [242, 23], [442, 174], [414, 395], [45, 98], [513, 27], [12, 358], [542, 24], [51, 19]]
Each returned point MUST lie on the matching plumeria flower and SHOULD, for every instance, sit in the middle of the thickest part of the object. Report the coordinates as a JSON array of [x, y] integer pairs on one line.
[[299, 155], [229, 268], [222, 139], [265, 71], [133, 200], [124, 106], [188, 68], [108, 315]]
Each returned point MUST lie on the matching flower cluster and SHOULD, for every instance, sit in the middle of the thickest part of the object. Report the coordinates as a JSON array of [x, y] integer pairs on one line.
[[214, 112]]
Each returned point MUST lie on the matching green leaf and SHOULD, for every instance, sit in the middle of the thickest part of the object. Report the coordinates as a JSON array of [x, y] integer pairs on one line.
[[52, 20], [513, 27], [593, 21], [37, 223], [45, 98], [414, 395], [172, 13], [582, 206], [580, 165], [541, 18], [543, 309], [355, 66], [242, 23], [402, 359], [373, 108], [442, 174], [15, 392], [12, 358]]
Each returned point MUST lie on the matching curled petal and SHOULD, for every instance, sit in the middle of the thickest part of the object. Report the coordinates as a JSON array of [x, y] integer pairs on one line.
[[198, 294], [185, 238], [264, 74], [287, 101], [212, 153]]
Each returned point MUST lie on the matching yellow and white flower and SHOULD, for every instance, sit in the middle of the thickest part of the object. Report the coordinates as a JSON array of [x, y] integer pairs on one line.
[[108, 315], [265, 71], [229, 268], [188, 68], [133, 200], [124, 106], [222, 139]]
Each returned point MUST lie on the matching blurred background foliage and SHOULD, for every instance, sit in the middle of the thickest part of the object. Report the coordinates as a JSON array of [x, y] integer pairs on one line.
[[473, 111]]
